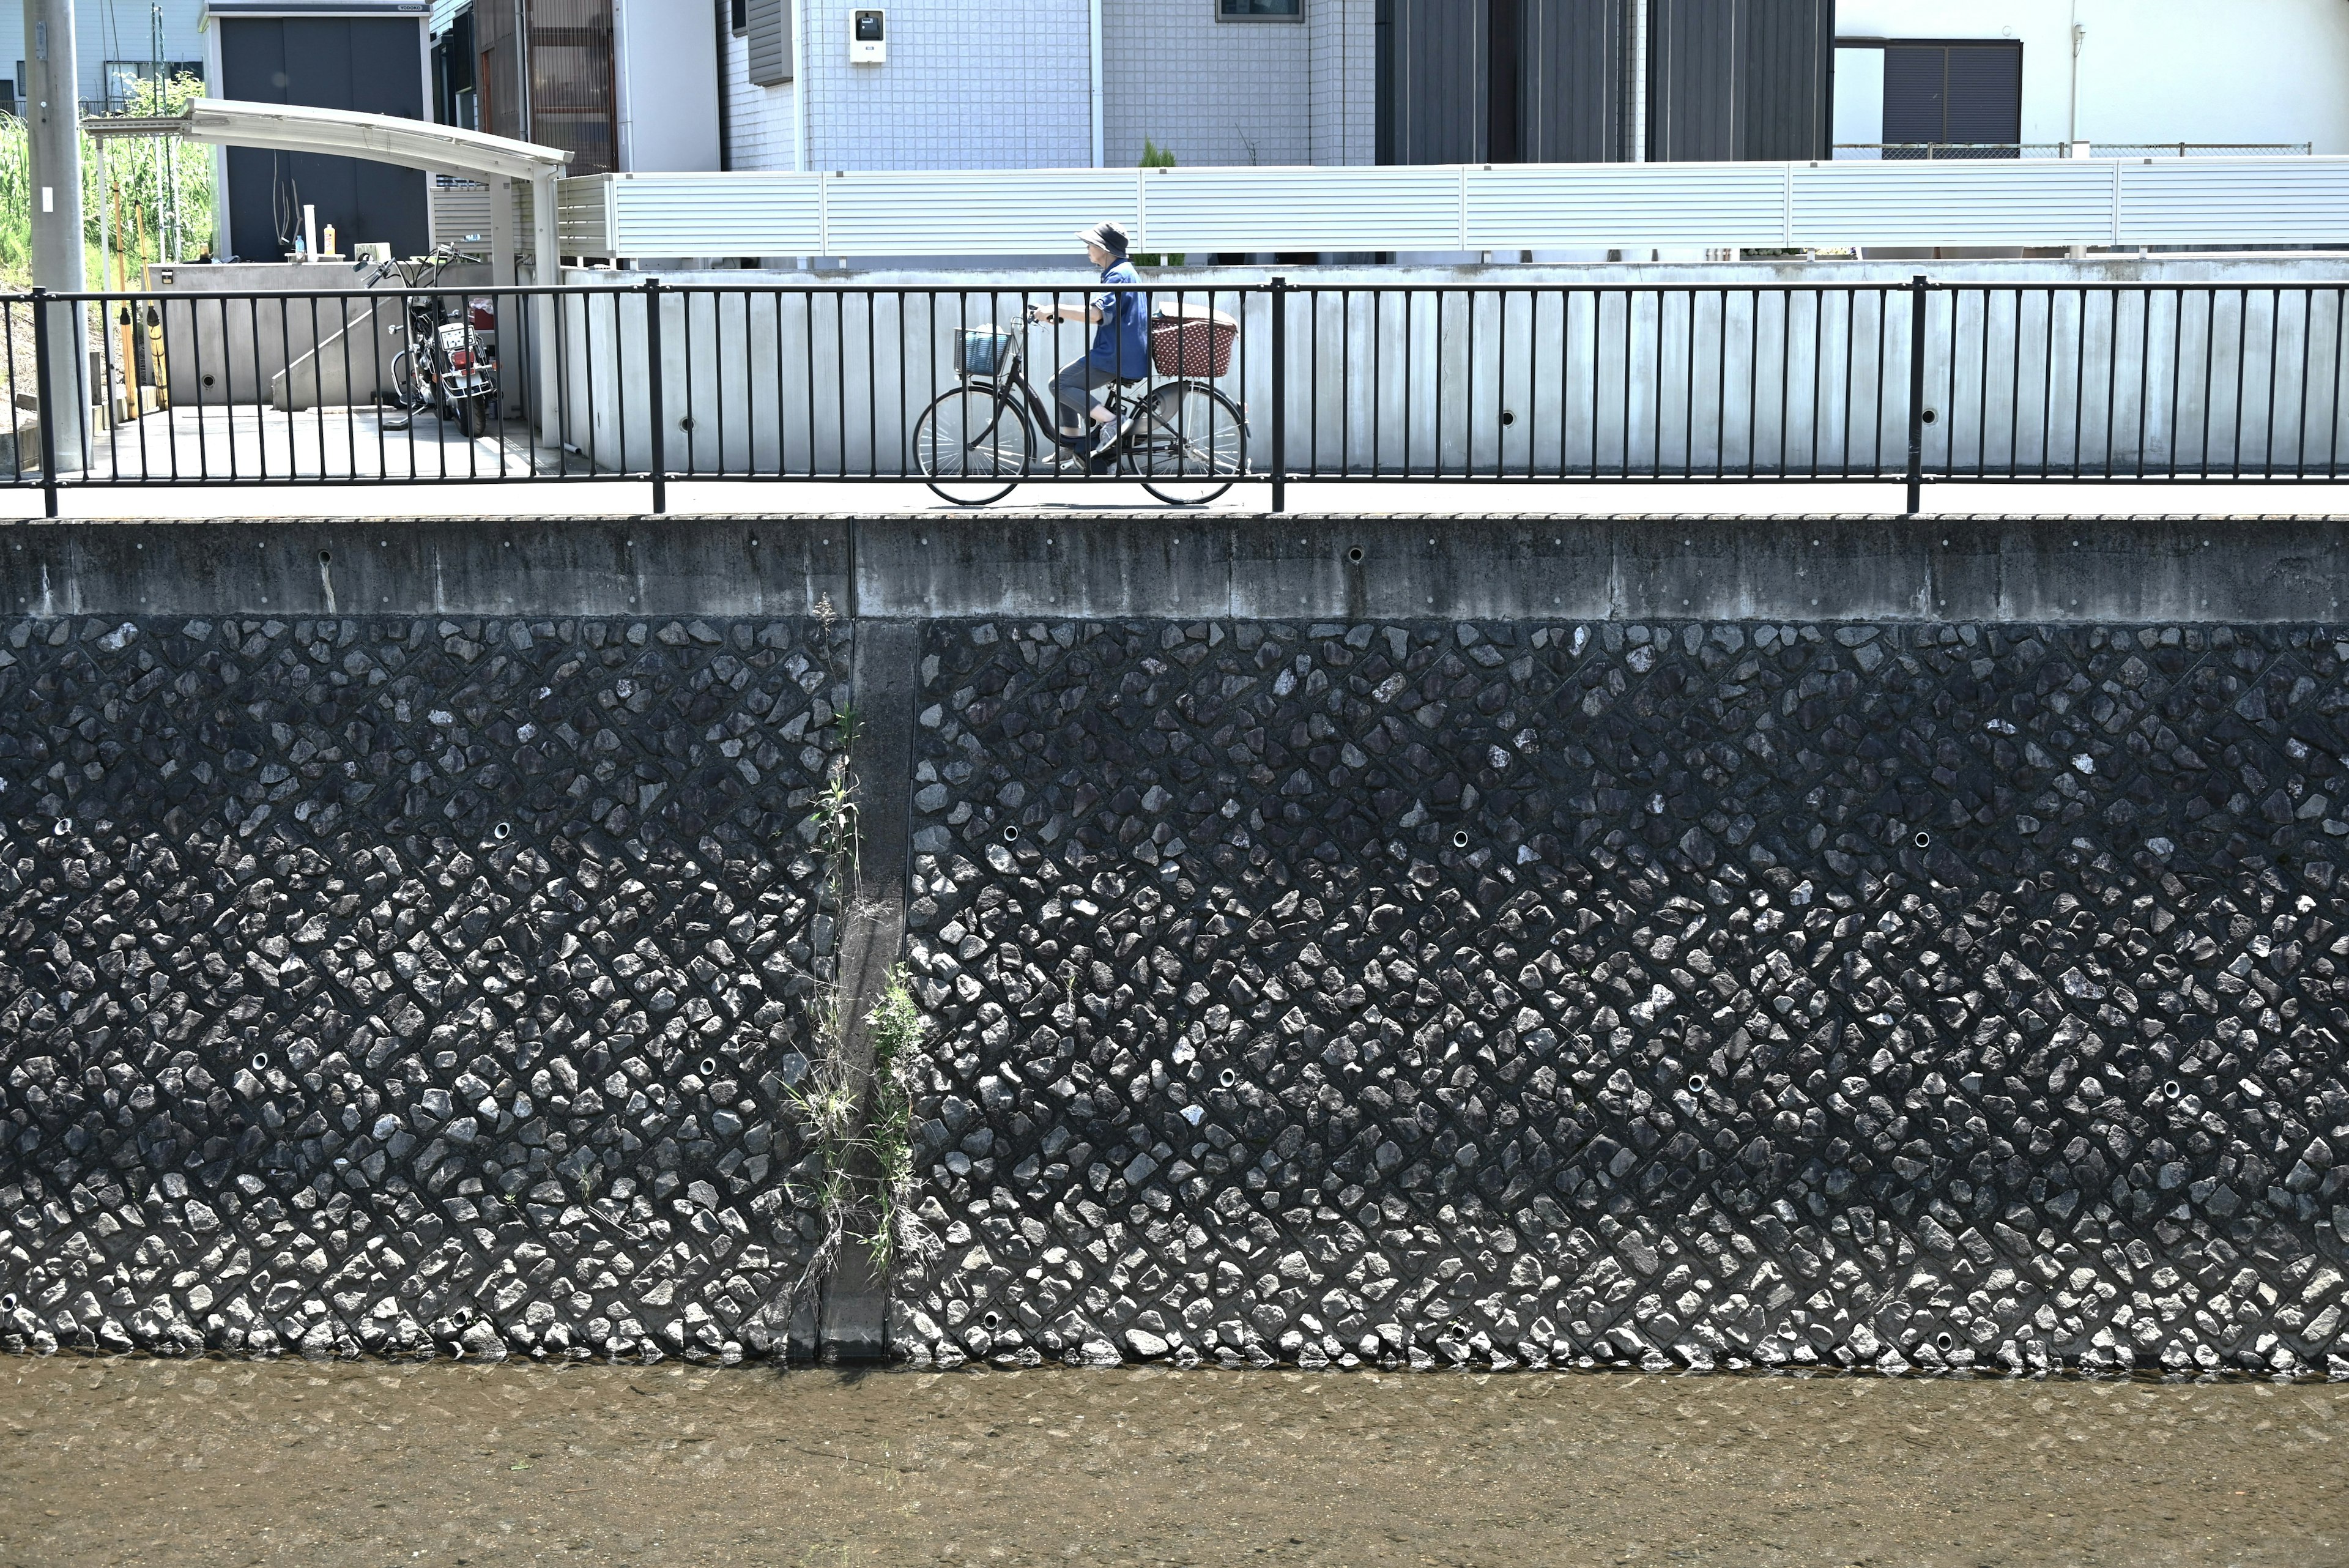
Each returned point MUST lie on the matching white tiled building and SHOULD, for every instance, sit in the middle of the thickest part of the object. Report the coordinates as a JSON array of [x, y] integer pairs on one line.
[[1019, 86], [114, 45]]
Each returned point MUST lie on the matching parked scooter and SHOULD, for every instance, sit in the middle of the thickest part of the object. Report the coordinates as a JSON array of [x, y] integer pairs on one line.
[[444, 367]]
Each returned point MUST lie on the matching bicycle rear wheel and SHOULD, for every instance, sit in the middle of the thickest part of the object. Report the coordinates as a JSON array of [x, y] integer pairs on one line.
[[1188, 443], [973, 444]]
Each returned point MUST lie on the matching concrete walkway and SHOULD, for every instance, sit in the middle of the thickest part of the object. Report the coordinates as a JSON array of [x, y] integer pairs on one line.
[[423, 498], [212, 445]]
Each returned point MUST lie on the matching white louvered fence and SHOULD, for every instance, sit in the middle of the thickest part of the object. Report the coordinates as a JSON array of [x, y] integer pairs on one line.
[[2275, 201]]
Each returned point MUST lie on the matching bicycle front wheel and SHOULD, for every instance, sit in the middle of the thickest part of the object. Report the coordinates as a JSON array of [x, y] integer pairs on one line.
[[1188, 443], [973, 445]]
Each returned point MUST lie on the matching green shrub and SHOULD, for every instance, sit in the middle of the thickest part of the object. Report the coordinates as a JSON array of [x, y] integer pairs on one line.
[[1156, 157], [176, 183]]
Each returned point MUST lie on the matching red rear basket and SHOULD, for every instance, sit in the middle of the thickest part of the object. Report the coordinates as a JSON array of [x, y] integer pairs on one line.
[[1192, 341]]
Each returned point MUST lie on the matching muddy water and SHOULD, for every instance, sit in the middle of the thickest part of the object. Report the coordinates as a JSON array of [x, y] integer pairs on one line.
[[230, 1462]]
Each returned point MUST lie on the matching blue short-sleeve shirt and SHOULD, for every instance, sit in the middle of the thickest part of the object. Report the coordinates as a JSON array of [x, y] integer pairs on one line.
[[1122, 346]]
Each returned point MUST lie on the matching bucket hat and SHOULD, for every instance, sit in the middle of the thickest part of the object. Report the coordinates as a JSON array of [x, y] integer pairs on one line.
[[1109, 236]]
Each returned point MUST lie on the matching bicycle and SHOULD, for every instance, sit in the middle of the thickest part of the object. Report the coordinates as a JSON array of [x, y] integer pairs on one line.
[[1182, 438]]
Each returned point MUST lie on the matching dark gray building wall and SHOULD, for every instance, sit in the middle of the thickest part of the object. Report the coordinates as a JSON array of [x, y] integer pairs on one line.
[[1575, 91], [1432, 75], [373, 64], [1550, 80], [1467, 83], [1732, 81]]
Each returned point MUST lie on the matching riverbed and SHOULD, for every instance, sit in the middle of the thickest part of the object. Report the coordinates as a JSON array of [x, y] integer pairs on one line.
[[137, 1461]]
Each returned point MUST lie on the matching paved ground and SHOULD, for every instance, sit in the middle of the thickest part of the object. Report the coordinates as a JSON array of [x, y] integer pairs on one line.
[[208, 444], [140, 1462], [551, 498]]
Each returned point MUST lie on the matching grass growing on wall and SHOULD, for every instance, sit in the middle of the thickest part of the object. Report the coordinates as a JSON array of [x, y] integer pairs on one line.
[[158, 193]]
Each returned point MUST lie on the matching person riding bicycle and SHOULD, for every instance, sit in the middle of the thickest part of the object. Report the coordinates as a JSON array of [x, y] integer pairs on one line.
[[1121, 348]]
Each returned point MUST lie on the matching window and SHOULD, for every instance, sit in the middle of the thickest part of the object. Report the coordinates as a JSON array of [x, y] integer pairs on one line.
[[1259, 10], [768, 28], [738, 15], [1955, 94]]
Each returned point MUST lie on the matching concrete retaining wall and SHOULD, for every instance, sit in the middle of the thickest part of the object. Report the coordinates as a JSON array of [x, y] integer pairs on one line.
[[1379, 981]]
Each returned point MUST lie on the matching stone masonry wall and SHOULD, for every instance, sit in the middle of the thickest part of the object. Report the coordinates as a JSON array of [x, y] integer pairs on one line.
[[1705, 996], [1501, 994], [373, 985]]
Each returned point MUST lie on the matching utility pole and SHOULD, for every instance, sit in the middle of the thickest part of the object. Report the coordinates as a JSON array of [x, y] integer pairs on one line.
[[53, 121]]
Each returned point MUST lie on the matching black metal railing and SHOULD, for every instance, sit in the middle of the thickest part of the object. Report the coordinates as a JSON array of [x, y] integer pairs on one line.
[[1908, 383]]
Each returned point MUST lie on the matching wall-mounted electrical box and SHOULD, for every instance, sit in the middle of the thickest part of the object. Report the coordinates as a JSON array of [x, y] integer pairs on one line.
[[868, 38]]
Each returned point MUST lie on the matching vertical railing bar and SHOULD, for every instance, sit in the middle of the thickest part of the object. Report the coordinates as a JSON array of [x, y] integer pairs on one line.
[[1657, 465], [2275, 355], [350, 387], [1957, 297], [2307, 333], [488, 371], [655, 399], [2112, 374], [1918, 286], [261, 387], [2080, 390], [686, 423], [1314, 382], [44, 358], [2332, 453], [2014, 395], [1850, 356], [1630, 370], [1785, 373], [2242, 372], [1981, 402], [1565, 387], [2176, 381], [2143, 375], [108, 342], [1721, 394], [15, 445], [1753, 383], [902, 445], [472, 446], [1345, 378], [2047, 397], [783, 410], [1598, 391], [1818, 372], [1688, 390], [1279, 394], [2209, 368]]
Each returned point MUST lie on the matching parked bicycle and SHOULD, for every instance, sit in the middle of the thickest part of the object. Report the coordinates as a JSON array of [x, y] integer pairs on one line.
[[1182, 438], [444, 366]]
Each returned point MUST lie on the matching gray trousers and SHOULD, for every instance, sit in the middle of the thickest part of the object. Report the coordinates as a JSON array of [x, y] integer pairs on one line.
[[1076, 388]]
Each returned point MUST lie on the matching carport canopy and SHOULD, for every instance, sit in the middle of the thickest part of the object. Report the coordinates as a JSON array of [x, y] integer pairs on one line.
[[413, 144]]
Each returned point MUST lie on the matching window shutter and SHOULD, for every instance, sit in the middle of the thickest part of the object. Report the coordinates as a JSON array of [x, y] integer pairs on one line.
[[769, 37], [1916, 94], [1986, 93]]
